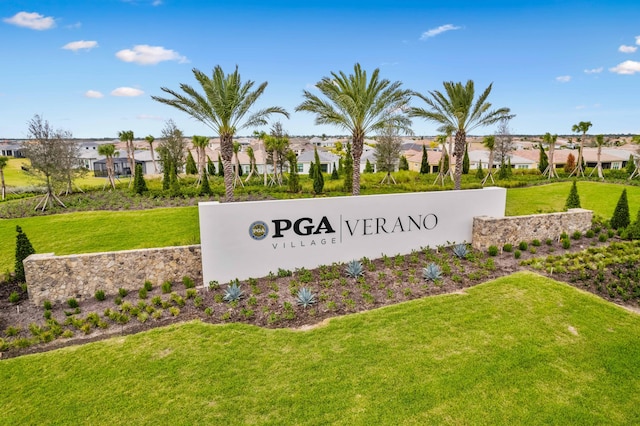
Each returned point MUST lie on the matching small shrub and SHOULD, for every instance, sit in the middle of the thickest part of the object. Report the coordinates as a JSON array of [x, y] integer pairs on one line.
[[156, 300], [188, 282], [47, 314], [523, 246], [284, 273], [460, 250], [100, 295], [233, 293], [12, 331], [166, 287], [432, 272], [214, 285], [536, 243], [548, 241], [72, 303], [590, 233], [47, 305], [123, 292], [354, 269], [197, 301], [576, 235], [117, 300], [191, 293], [305, 297], [602, 237], [492, 251], [208, 311], [517, 254], [507, 248], [174, 311], [566, 243], [148, 285], [142, 293], [14, 297], [611, 233]]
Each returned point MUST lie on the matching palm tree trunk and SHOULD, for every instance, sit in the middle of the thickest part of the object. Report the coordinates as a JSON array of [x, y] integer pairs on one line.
[[226, 152], [4, 188], [552, 167], [153, 159], [358, 141], [461, 141]]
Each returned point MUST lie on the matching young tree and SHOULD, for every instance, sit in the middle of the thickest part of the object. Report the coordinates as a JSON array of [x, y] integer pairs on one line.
[[543, 160], [150, 139], [211, 168], [570, 164], [490, 143], [318, 179], [190, 168], [582, 127], [252, 163], [465, 161], [573, 200], [403, 163], [167, 170], [277, 144], [109, 152], [237, 172], [550, 170], [631, 165], [127, 137], [3, 163], [23, 250], [424, 164], [312, 170], [480, 172], [368, 167], [358, 105], [139, 184], [50, 152], [347, 165], [294, 178], [205, 188], [220, 167], [225, 108], [172, 147], [504, 139], [334, 173], [621, 216], [200, 143], [387, 152], [600, 142], [456, 110]]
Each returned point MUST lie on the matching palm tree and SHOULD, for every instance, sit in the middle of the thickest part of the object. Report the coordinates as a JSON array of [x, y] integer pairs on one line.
[[600, 142], [150, 139], [3, 163], [109, 151], [252, 163], [456, 109], [200, 143], [442, 173], [236, 178], [490, 143], [359, 105], [224, 107], [636, 170], [127, 137], [550, 140], [583, 127]]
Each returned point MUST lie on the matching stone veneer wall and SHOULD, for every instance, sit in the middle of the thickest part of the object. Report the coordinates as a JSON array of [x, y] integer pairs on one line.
[[57, 278], [489, 231]]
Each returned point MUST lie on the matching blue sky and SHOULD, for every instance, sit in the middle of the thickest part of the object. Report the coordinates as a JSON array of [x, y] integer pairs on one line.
[[91, 67]]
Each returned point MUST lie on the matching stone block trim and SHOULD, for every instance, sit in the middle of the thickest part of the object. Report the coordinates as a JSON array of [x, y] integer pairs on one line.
[[488, 231], [58, 278]]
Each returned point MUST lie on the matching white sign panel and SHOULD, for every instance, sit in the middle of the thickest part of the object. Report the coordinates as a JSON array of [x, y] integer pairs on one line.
[[251, 239]]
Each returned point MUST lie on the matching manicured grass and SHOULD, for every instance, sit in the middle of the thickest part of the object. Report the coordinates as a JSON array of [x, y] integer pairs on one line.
[[87, 232], [519, 350], [599, 197], [15, 177]]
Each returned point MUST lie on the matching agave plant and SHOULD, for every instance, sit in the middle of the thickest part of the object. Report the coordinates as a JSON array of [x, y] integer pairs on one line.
[[233, 293], [305, 298], [432, 272], [460, 250], [354, 269]]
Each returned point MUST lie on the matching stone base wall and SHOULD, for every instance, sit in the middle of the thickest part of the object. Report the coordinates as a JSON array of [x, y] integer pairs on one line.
[[488, 231], [58, 278]]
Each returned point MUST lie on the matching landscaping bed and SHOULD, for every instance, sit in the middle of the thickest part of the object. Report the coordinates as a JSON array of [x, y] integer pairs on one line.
[[274, 301]]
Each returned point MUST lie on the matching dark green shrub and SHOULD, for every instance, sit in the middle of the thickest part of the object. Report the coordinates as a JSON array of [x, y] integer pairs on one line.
[[100, 296], [507, 247], [590, 233], [611, 233], [621, 217], [73, 303], [47, 305], [566, 243], [142, 293], [576, 235], [523, 245], [564, 236], [47, 314], [573, 200], [188, 282], [139, 184], [318, 179], [123, 292], [517, 254], [148, 286], [548, 241], [23, 250], [602, 237], [492, 251], [14, 297], [166, 287], [118, 300], [535, 243]]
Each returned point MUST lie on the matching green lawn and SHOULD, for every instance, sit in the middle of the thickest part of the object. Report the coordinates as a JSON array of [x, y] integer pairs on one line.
[[15, 177], [519, 350]]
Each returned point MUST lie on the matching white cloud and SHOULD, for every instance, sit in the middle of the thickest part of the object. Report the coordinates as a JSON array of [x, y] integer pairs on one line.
[[156, 3], [143, 54], [626, 67], [435, 31], [594, 70], [93, 94], [638, 40], [563, 78], [127, 92], [32, 20], [627, 49], [80, 45]]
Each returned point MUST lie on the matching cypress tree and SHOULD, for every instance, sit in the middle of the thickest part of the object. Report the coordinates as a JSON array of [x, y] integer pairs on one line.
[[631, 165], [509, 168], [543, 161], [368, 168], [211, 168], [424, 164], [166, 173], [175, 185], [480, 172], [621, 217], [318, 179], [573, 200], [220, 167], [340, 170], [347, 167], [294, 178], [191, 168], [205, 189], [23, 250], [503, 173], [404, 164], [465, 162], [312, 170], [139, 184], [445, 166]]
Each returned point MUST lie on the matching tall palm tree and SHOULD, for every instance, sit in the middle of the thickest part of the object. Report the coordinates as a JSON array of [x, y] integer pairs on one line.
[[360, 106], [490, 143], [252, 163], [600, 142], [109, 151], [442, 173], [3, 163], [551, 142], [150, 139], [456, 109], [200, 143], [224, 106], [127, 137], [236, 149], [583, 127]]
